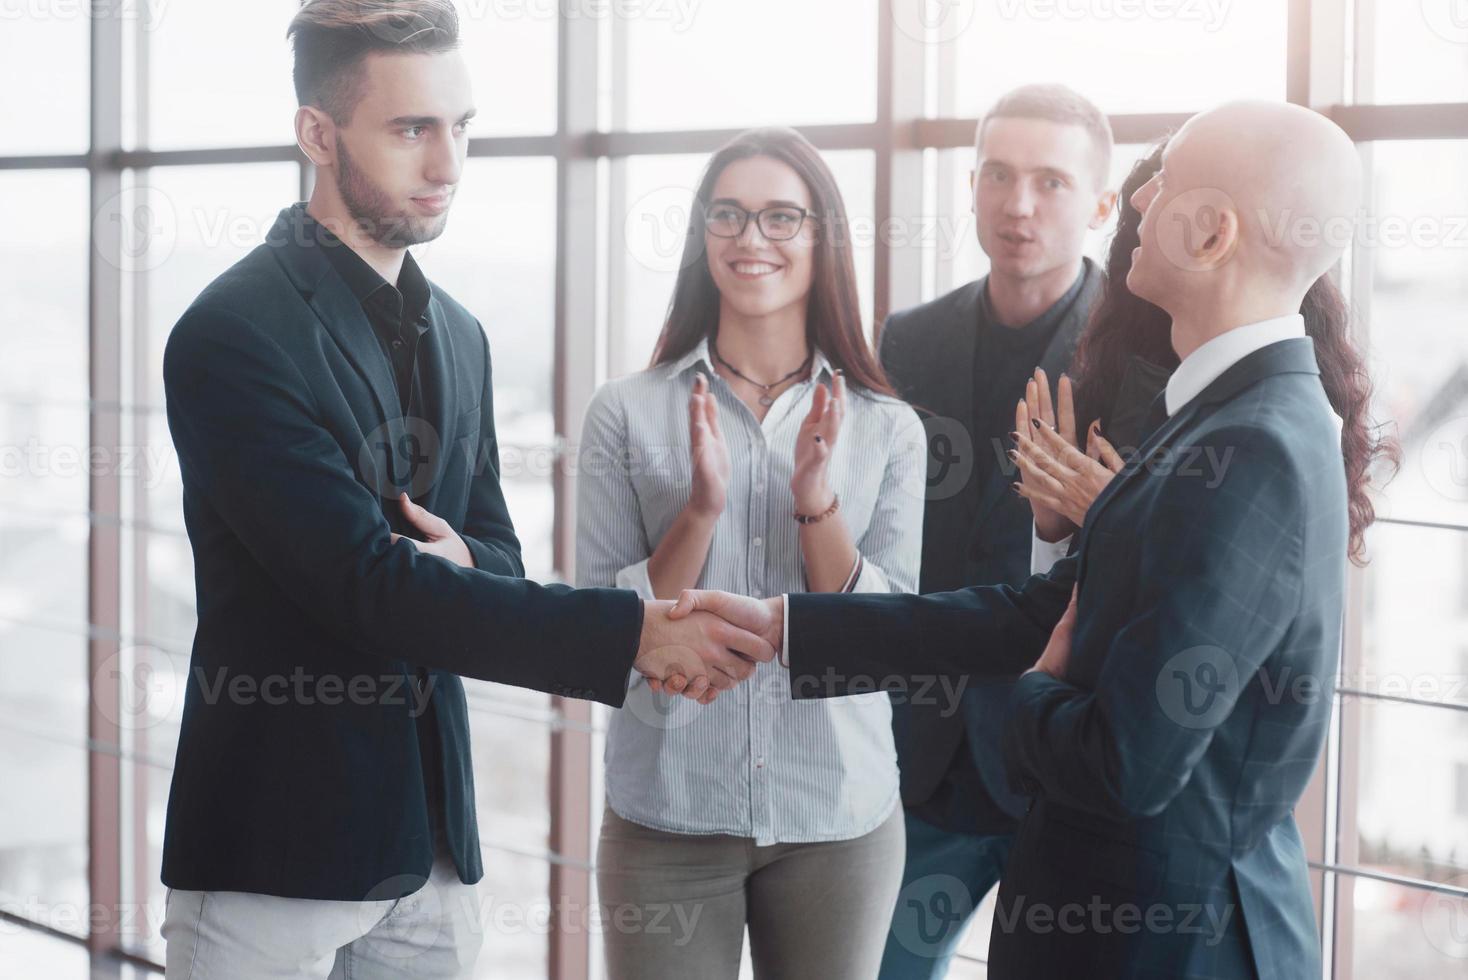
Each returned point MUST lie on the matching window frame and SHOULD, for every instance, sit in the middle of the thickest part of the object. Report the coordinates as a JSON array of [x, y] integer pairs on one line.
[[589, 156]]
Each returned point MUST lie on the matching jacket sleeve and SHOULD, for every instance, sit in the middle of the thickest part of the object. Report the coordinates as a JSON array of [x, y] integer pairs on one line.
[[841, 643], [252, 449], [1219, 582], [488, 531]]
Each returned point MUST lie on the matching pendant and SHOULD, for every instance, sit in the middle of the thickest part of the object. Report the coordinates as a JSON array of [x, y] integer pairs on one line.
[[766, 400]]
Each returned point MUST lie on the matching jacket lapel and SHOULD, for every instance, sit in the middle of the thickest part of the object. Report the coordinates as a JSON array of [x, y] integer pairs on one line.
[[441, 396], [1285, 357], [300, 255], [953, 357], [334, 305], [946, 385]]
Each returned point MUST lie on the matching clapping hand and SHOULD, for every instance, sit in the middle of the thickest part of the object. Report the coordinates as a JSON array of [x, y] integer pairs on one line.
[[711, 465], [1058, 480], [813, 447]]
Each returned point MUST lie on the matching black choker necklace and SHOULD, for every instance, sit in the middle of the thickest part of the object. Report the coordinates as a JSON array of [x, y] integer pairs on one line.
[[765, 398]]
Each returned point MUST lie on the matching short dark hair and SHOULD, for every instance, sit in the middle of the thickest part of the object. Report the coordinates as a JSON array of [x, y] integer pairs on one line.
[[1058, 104], [331, 38]]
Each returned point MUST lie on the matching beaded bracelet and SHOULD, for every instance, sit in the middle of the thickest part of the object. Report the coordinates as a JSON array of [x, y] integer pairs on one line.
[[816, 519]]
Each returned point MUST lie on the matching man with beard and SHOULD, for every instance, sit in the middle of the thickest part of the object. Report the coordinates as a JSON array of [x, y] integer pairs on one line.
[[334, 420]]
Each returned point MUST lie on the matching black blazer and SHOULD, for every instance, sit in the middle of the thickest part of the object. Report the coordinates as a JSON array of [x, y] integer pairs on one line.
[[1165, 768], [972, 535], [292, 447]]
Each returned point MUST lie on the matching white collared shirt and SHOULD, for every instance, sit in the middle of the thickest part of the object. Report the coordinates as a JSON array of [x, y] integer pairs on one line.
[[755, 763], [1204, 366]]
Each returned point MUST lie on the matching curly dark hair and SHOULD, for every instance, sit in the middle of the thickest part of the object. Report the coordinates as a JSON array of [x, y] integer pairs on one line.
[[1123, 325]]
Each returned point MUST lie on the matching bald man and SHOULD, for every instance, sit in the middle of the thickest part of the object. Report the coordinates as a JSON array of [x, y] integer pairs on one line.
[[1180, 664]]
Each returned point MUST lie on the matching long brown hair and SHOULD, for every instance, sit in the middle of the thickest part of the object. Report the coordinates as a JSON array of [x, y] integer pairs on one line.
[[833, 317], [1123, 325]]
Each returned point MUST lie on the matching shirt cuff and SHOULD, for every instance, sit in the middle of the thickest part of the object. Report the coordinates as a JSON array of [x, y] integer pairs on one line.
[[785, 631], [1044, 554], [871, 579], [635, 577]]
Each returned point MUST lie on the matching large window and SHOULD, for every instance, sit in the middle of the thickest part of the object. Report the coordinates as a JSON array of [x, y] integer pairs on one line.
[[594, 125], [1127, 57], [43, 547]]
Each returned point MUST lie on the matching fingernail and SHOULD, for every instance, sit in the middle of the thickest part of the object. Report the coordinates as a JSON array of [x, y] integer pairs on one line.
[[1014, 437], [819, 439], [1035, 423], [1013, 454]]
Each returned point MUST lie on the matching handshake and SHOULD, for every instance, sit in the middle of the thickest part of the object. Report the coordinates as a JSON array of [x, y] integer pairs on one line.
[[707, 642], [704, 643]]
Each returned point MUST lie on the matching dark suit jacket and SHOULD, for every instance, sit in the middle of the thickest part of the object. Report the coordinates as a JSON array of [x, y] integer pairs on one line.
[[292, 446], [972, 535], [1166, 766]]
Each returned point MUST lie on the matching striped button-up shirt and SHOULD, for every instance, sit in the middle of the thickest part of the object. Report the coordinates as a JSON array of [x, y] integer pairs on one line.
[[755, 763]]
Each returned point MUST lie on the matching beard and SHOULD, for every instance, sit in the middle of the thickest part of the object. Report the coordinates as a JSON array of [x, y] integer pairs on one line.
[[372, 209]]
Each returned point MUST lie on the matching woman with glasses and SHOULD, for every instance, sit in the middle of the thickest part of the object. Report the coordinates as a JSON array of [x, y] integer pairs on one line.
[[763, 452]]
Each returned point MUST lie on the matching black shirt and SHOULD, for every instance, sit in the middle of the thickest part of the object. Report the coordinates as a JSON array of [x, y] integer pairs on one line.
[[398, 314], [1004, 360], [399, 317]]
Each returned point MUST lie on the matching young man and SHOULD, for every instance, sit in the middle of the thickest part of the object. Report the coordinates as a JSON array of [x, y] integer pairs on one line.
[[1039, 185], [1182, 697], [334, 419]]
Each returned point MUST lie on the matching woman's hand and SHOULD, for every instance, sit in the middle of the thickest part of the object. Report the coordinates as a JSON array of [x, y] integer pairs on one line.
[[711, 466], [813, 447], [1056, 477], [1050, 524]]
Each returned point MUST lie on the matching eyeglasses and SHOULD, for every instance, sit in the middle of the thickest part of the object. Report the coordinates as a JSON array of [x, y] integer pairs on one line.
[[778, 224]]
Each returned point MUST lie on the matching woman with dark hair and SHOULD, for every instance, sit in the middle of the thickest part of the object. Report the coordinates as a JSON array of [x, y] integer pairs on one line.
[[762, 452], [1122, 363]]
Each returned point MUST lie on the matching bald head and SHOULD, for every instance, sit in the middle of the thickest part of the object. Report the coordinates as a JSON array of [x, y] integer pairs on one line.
[[1254, 198]]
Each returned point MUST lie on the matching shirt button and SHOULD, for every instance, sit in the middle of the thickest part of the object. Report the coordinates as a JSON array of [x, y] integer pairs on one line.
[[759, 763], [397, 343], [758, 542]]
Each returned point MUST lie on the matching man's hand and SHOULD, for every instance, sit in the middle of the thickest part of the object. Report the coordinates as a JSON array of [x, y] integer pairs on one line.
[[1056, 657], [438, 538], [764, 618], [696, 655]]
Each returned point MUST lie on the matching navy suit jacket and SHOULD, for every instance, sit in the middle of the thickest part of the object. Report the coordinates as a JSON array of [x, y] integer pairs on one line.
[[1165, 767], [298, 770]]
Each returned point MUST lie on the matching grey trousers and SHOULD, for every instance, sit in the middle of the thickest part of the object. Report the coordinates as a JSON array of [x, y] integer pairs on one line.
[[675, 906]]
